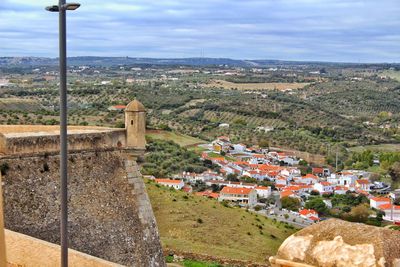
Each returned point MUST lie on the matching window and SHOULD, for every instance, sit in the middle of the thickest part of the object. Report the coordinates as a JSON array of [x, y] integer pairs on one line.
[[131, 122]]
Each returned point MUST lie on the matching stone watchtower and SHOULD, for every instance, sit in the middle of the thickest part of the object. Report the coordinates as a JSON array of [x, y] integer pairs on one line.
[[135, 125]]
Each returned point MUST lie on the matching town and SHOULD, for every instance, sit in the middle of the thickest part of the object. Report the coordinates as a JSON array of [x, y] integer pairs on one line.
[[282, 186]]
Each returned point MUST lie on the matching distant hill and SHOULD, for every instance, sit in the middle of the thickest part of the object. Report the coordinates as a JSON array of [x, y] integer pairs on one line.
[[194, 224], [195, 61], [112, 61]]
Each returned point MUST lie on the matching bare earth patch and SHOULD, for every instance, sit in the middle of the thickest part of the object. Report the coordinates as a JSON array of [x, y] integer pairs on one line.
[[255, 86]]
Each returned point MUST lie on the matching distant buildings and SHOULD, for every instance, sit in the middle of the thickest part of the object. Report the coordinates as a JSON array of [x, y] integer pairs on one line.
[[119, 108], [239, 195]]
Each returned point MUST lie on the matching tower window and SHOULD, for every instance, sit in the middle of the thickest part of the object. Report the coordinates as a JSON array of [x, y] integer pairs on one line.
[[131, 122]]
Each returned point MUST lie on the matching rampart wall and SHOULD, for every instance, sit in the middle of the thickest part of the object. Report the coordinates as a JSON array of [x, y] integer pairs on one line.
[[51, 143], [110, 215]]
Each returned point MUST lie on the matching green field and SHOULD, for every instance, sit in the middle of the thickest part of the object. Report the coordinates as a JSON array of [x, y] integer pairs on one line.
[[392, 74], [377, 148], [19, 104], [198, 225], [180, 139]]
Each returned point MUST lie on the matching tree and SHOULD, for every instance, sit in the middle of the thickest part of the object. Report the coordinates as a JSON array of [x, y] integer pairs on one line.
[[303, 162], [374, 177], [290, 203], [314, 193], [232, 177], [359, 213], [394, 171], [263, 143], [318, 205]]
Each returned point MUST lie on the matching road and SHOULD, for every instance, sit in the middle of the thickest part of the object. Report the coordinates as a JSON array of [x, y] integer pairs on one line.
[[292, 219]]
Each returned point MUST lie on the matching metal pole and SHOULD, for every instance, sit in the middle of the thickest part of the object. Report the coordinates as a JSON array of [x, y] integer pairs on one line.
[[63, 134], [391, 209], [336, 158], [3, 261]]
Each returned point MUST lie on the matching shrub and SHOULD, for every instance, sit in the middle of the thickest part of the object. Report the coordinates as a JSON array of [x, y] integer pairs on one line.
[[199, 220], [257, 208], [169, 259]]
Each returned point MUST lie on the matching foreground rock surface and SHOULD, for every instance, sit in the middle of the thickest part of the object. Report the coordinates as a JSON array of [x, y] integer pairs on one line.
[[340, 243]]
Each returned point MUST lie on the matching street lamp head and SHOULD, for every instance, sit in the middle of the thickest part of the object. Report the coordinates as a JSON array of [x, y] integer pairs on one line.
[[71, 6], [52, 8], [67, 6]]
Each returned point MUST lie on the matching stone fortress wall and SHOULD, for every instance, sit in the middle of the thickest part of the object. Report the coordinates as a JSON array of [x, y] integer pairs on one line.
[[30, 139], [48, 141], [110, 215]]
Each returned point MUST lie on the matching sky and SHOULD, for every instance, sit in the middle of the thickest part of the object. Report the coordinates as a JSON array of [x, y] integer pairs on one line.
[[314, 30]]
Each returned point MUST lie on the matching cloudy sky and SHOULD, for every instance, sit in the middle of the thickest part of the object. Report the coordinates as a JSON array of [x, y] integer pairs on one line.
[[323, 30]]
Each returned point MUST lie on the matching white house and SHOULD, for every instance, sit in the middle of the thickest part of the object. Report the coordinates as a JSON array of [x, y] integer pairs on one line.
[[281, 181], [363, 184], [348, 180], [177, 184], [263, 191], [205, 176], [309, 179], [240, 195], [323, 187], [340, 189], [387, 209], [239, 147], [375, 202], [256, 174]]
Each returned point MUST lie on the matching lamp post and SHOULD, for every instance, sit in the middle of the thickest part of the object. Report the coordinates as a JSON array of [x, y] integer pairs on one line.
[[61, 9]]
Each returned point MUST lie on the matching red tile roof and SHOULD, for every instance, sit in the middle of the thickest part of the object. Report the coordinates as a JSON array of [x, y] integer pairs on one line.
[[292, 188], [313, 218], [236, 190], [262, 187], [207, 193], [381, 199], [326, 183], [309, 175], [168, 181], [287, 193], [306, 212], [119, 106], [318, 170], [388, 206], [362, 181]]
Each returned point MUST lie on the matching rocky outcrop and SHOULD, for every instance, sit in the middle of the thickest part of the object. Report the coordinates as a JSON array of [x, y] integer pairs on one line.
[[110, 216], [340, 243]]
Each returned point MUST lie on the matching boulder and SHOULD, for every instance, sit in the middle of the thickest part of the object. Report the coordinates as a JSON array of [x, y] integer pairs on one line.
[[339, 243]]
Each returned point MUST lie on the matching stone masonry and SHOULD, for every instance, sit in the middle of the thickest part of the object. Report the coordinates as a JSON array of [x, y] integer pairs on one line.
[[110, 215]]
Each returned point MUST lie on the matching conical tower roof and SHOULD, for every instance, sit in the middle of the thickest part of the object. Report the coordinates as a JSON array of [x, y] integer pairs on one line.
[[135, 106]]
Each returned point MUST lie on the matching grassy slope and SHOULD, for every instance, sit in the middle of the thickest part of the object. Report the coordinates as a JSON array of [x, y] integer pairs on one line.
[[180, 139], [224, 232]]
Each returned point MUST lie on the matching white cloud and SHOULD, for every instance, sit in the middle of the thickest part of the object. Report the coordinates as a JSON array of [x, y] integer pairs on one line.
[[340, 30]]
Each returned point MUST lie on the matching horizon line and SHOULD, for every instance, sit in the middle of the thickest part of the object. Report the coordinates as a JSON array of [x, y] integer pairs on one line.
[[197, 57]]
